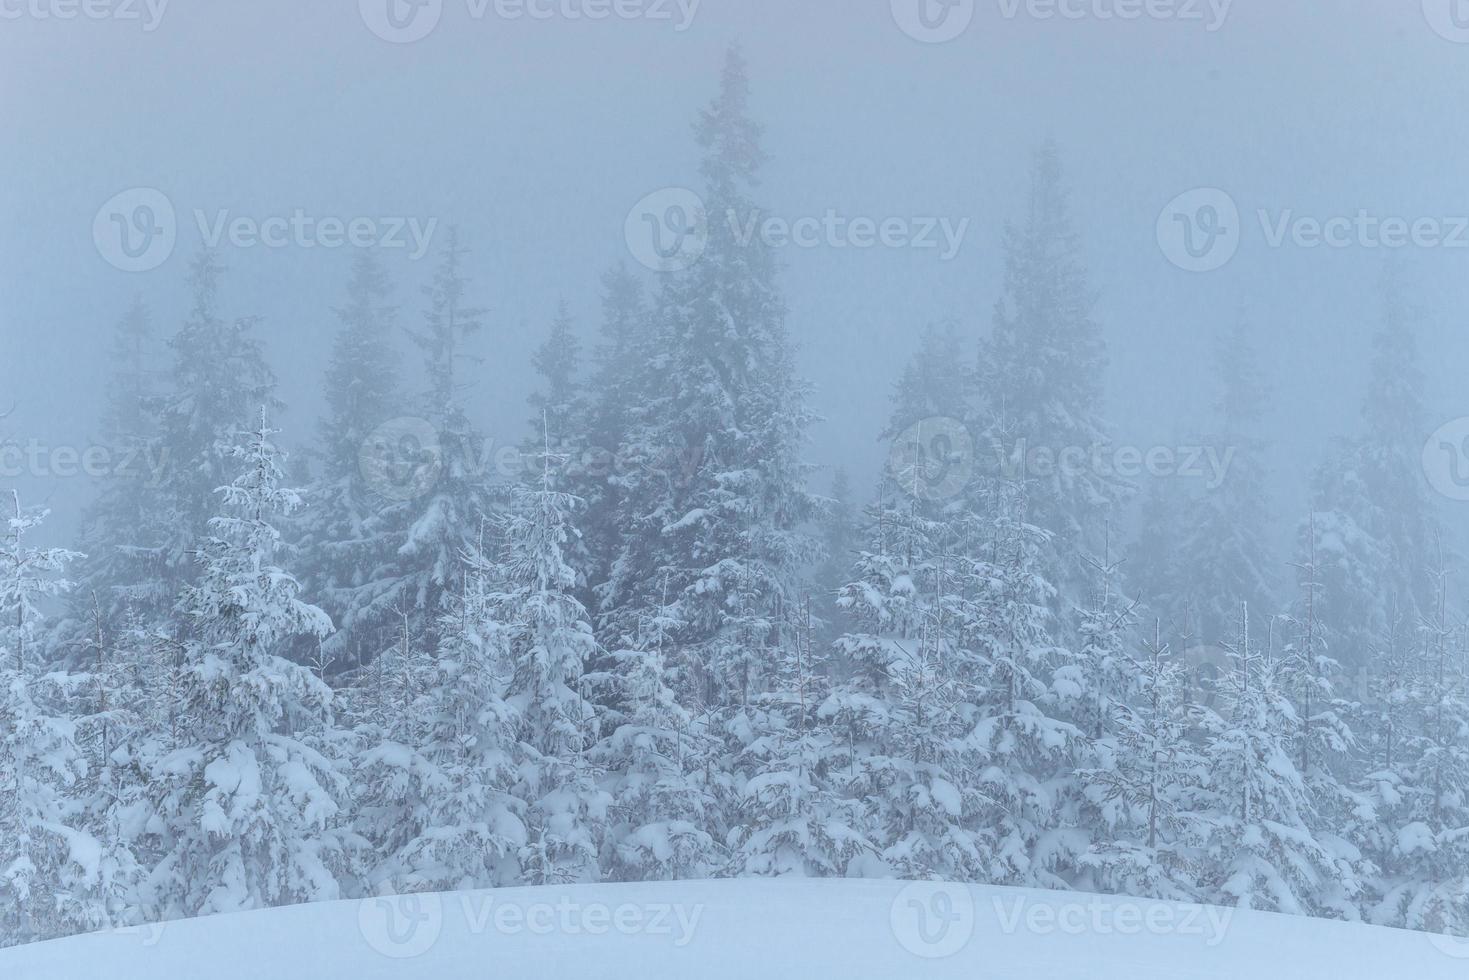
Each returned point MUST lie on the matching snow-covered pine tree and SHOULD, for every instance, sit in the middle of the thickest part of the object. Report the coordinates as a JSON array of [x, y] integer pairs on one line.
[[718, 508], [796, 816], [1259, 852], [246, 806], [661, 808], [1024, 752], [438, 767], [1040, 375], [1146, 788], [219, 376], [1426, 885], [43, 854], [935, 382], [1227, 556], [840, 538], [114, 737], [1092, 685], [1326, 747], [896, 711], [124, 521], [624, 361], [560, 427], [442, 524], [1374, 522], [1101, 675], [28, 577], [1156, 569], [550, 646], [559, 402], [347, 538], [42, 850]]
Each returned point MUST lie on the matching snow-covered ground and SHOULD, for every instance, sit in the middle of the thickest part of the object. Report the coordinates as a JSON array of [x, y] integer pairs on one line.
[[813, 930]]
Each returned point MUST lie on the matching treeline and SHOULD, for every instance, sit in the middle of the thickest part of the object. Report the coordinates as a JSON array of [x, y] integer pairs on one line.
[[409, 676]]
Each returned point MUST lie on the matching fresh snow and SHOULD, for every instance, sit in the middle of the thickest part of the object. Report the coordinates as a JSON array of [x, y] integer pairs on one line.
[[807, 929]]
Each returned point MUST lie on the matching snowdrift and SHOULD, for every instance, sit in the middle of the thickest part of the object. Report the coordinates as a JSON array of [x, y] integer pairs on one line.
[[811, 930]]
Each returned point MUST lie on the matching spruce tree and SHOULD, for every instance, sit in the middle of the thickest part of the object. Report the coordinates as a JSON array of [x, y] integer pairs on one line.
[[1040, 379], [219, 376], [246, 804], [718, 507], [348, 537]]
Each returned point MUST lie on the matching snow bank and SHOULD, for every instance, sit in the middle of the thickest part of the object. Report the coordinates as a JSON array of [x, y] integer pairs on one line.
[[812, 930]]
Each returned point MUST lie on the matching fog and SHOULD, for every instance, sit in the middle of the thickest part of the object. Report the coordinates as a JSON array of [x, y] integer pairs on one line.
[[536, 137]]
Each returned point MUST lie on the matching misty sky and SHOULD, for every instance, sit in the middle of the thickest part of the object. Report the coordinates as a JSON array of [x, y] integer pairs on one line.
[[537, 136]]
